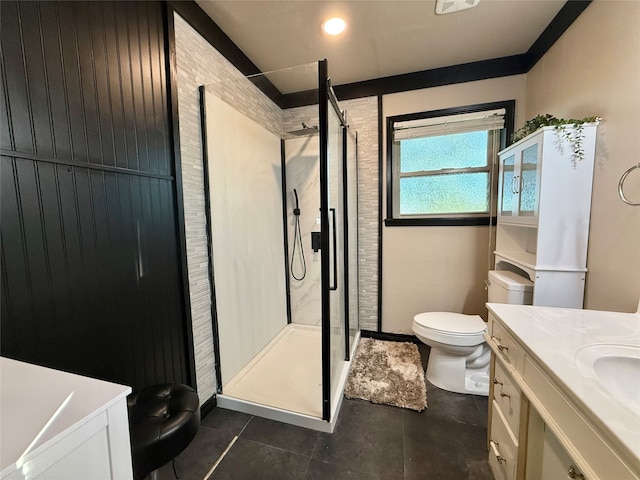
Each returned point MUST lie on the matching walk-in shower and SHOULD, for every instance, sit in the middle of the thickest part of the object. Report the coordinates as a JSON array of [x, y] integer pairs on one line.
[[281, 190]]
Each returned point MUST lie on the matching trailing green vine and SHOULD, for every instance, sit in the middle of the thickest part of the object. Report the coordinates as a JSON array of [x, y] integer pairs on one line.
[[574, 136]]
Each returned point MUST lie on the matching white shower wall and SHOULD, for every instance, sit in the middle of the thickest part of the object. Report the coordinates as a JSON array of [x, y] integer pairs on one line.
[[302, 164], [199, 63], [303, 174], [245, 187]]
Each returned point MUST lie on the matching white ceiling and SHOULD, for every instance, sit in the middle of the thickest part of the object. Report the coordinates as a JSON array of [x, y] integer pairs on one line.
[[383, 38]]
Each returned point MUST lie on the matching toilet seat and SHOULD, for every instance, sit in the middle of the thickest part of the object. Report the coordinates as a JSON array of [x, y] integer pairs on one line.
[[450, 328]]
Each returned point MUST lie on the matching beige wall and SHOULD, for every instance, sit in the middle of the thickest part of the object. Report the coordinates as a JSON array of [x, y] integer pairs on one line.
[[439, 268], [594, 69]]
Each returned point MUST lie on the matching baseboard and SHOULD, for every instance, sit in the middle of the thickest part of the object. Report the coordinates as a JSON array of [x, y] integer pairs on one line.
[[207, 407], [391, 337]]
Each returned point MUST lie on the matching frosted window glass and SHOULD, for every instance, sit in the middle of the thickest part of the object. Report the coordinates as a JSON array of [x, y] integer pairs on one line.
[[445, 194], [528, 193], [461, 150], [507, 185], [530, 155], [529, 180], [507, 195]]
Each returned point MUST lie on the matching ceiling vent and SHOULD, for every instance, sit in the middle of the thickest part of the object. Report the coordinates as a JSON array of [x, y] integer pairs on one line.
[[450, 6]]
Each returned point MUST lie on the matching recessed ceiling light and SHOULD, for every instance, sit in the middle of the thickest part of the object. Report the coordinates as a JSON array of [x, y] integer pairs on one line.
[[334, 26]]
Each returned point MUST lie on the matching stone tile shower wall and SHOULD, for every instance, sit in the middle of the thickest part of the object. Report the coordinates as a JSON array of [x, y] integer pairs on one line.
[[363, 113], [201, 64]]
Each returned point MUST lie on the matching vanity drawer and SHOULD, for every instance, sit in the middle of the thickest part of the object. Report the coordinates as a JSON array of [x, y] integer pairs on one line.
[[508, 349], [503, 447], [507, 395]]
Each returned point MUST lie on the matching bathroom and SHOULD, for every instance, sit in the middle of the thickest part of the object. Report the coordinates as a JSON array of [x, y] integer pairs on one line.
[[410, 278], [401, 277], [402, 270]]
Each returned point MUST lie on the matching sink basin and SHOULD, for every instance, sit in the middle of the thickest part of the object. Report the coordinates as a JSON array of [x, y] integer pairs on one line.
[[616, 367]]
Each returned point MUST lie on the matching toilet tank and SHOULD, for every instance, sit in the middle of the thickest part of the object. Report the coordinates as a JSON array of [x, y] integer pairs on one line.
[[509, 287]]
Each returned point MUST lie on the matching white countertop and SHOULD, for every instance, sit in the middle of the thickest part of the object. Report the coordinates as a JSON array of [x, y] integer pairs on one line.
[[555, 336], [30, 395]]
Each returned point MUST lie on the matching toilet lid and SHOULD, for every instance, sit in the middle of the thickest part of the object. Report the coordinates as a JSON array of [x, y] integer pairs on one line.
[[449, 322]]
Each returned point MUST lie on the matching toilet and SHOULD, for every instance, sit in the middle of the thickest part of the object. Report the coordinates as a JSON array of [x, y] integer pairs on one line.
[[459, 357]]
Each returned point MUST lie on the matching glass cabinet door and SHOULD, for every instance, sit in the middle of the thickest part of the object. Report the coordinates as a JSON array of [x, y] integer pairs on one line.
[[528, 182], [507, 186]]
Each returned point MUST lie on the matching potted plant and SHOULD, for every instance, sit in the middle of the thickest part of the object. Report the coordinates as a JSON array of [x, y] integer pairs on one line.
[[573, 136]]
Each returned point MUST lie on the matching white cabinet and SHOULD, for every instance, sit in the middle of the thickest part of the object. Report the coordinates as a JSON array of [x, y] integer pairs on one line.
[[543, 214], [57, 425]]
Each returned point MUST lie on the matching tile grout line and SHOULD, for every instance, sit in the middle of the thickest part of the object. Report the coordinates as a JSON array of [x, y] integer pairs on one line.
[[220, 458]]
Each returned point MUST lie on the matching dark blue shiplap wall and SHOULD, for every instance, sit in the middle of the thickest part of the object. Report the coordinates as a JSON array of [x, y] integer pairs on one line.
[[91, 270]]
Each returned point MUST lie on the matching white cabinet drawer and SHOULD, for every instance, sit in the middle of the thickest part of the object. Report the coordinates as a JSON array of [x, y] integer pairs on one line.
[[507, 395], [507, 348], [503, 448]]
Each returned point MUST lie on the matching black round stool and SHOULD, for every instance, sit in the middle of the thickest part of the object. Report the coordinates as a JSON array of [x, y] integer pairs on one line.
[[163, 419]]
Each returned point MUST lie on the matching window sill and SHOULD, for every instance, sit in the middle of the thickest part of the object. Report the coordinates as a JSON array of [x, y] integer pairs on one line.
[[439, 222]]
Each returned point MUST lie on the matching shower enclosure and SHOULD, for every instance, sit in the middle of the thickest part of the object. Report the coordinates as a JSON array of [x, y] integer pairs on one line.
[[281, 190]]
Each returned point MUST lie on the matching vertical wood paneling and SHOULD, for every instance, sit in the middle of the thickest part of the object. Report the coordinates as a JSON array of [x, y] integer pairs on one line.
[[103, 88], [59, 107], [137, 87], [72, 82], [16, 85], [157, 67], [87, 74], [91, 272], [35, 76], [141, 55], [6, 137], [124, 73], [15, 276]]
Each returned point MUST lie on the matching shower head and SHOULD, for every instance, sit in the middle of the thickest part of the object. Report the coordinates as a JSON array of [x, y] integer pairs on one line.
[[305, 130]]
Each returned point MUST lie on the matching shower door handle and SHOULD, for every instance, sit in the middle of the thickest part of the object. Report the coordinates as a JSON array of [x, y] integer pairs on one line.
[[335, 251]]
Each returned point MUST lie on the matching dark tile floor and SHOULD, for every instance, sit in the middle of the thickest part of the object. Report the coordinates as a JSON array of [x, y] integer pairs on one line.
[[445, 441]]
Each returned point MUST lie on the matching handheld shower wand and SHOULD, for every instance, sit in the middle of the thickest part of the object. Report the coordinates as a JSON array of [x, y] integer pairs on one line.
[[297, 242], [296, 211]]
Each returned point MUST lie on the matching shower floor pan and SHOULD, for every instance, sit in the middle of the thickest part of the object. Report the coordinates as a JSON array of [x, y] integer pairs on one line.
[[284, 381]]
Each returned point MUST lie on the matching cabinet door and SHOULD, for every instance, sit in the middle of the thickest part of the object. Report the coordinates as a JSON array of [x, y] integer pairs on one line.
[[520, 183], [528, 181], [507, 187], [556, 462]]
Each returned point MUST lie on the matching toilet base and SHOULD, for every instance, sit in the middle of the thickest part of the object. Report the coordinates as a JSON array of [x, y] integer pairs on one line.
[[449, 372]]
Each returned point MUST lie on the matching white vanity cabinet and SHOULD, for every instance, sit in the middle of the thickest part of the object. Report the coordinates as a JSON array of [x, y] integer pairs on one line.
[[544, 206], [57, 425], [549, 418]]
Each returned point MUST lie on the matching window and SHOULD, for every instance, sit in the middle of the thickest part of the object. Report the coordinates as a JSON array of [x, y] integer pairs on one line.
[[440, 165]]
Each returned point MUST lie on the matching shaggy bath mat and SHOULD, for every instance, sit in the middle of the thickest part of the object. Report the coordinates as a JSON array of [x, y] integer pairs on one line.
[[388, 373]]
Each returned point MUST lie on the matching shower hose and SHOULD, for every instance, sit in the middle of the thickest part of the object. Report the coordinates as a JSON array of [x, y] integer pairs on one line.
[[297, 243]]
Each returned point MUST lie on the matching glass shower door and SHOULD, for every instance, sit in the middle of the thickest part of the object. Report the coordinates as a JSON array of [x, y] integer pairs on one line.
[[333, 243], [351, 169], [337, 277]]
